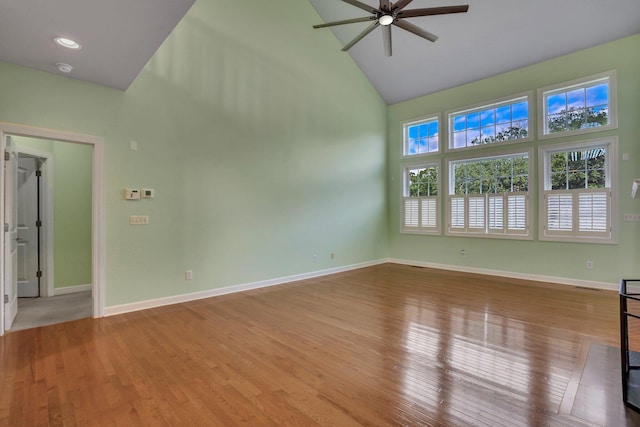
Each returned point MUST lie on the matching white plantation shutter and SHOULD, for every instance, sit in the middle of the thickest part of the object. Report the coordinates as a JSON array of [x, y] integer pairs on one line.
[[421, 214], [504, 214], [457, 212], [476, 212], [517, 212], [428, 212], [411, 212], [578, 213], [559, 211], [496, 212], [593, 209]]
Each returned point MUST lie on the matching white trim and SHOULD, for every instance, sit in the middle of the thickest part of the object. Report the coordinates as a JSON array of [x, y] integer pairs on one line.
[[509, 152], [429, 118], [404, 189], [610, 76], [512, 275], [611, 162], [176, 299], [477, 107], [97, 229], [71, 289]]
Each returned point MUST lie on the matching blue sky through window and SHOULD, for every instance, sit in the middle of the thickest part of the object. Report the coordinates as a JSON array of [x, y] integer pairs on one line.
[[422, 137], [490, 124]]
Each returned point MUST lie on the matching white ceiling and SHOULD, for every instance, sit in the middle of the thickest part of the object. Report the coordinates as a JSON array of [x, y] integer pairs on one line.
[[118, 37], [493, 37]]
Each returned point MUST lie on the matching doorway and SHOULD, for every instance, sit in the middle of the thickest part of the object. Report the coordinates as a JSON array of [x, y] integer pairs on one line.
[[22, 169]]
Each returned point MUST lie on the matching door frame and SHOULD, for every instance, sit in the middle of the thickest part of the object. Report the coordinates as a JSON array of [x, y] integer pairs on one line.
[[97, 202], [46, 207]]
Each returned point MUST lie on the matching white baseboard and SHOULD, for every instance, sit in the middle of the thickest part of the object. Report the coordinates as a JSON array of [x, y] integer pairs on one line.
[[71, 289], [512, 275], [176, 299]]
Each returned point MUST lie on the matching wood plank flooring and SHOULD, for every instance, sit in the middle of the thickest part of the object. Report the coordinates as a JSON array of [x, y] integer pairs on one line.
[[388, 345]]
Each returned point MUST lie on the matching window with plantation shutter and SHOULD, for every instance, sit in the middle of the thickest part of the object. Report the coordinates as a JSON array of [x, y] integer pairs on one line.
[[489, 196], [578, 191], [420, 209]]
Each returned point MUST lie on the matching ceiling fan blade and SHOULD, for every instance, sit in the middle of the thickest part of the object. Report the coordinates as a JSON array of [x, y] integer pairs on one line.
[[415, 30], [361, 5], [444, 10], [386, 39], [400, 4], [346, 21], [385, 5], [360, 36]]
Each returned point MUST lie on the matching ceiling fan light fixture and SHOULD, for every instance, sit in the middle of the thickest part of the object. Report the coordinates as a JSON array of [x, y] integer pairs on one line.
[[68, 43], [385, 20]]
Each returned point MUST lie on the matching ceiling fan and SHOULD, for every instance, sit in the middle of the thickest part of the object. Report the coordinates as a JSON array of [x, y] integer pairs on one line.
[[389, 14]]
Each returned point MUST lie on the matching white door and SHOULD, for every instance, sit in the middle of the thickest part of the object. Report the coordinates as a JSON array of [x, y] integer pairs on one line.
[[11, 234], [28, 284]]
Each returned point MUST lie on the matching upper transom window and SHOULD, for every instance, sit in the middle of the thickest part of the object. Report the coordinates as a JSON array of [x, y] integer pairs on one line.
[[491, 123], [421, 137], [580, 106]]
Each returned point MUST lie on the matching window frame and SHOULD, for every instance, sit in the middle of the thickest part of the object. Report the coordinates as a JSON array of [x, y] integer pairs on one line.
[[485, 232], [416, 121], [611, 179], [507, 100], [544, 92], [404, 229]]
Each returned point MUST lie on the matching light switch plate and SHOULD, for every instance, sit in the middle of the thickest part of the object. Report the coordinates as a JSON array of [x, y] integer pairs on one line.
[[132, 194]]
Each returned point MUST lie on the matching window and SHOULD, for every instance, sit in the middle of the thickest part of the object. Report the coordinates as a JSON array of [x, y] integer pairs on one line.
[[489, 196], [580, 106], [498, 122], [421, 137], [420, 204], [577, 197]]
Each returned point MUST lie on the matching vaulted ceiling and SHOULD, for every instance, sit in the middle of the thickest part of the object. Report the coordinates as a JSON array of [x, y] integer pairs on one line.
[[494, 36]]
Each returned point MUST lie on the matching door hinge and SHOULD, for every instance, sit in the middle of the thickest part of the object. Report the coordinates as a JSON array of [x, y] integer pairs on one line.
[[38, 223], [6, 299], [39, 274], [38, 173], [7, 156], [6, 227]]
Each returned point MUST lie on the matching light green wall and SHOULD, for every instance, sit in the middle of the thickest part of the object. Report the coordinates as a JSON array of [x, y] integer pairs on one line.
[[71, 211], [264, 143], [565, 260]]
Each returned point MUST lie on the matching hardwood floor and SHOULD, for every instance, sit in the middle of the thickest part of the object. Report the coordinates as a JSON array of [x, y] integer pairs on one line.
[[385, 345]]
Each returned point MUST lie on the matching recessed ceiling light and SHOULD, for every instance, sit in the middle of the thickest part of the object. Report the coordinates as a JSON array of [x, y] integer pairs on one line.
[[68, 43], [65, 68]]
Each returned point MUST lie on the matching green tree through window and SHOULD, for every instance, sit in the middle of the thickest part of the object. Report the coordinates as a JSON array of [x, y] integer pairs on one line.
[[423, 182], [497, 175]]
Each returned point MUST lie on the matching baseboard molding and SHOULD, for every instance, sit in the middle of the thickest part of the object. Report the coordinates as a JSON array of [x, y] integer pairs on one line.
[[71, 289], [511, 274], [176, 299]]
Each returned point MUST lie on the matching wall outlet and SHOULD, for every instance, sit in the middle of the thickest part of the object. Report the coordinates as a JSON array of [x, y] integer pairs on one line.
[[314, 258], [463, 252], [188, 275], [589, 265], [139, 220]]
